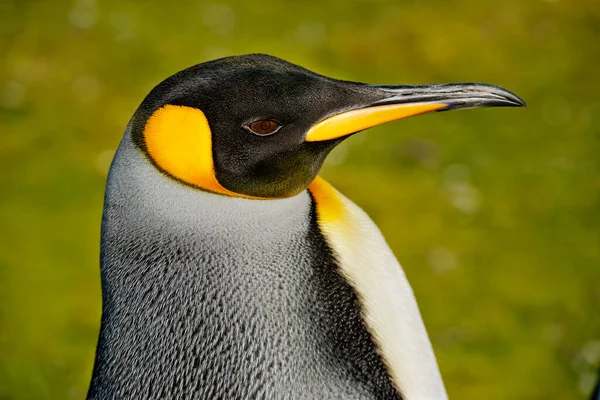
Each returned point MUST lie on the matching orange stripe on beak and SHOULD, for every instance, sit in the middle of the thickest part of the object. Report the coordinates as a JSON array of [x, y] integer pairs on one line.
[[349, 122]]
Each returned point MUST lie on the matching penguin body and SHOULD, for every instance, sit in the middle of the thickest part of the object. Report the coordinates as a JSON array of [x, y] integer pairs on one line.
[[224, 297], [229, 270]]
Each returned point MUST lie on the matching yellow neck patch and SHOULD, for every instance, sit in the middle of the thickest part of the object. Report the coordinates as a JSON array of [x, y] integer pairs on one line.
[[330, 207], [179, 140]]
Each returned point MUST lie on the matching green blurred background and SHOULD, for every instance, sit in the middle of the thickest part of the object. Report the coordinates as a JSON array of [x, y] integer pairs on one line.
[[493, 213]]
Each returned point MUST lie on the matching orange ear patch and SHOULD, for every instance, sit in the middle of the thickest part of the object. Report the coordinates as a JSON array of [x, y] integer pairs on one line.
[[179, 141]]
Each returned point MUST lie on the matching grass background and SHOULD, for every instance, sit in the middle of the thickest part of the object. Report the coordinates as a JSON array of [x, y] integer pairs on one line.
[[494, 213]]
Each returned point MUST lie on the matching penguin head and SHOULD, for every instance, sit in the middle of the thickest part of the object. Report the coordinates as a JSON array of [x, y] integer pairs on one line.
[[259, 127]]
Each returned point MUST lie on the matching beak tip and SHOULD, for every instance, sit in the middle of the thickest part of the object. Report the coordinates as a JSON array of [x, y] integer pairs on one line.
[[517, 101], [452, 96], [505, 97]]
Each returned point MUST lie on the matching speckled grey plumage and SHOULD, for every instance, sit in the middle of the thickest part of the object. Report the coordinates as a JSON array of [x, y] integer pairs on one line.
[[213, 297]]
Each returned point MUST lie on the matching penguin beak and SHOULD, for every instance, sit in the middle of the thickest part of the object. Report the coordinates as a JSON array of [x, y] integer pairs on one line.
[[403, 101]]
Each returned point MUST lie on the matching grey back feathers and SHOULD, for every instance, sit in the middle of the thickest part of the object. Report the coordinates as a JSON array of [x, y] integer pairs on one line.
[[214, 297]]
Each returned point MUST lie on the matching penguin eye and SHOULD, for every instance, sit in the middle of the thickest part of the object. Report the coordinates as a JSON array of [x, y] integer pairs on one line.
[[264, 127]]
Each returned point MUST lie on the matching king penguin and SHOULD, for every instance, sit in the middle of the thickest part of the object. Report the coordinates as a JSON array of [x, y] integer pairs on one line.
[[230, 270]]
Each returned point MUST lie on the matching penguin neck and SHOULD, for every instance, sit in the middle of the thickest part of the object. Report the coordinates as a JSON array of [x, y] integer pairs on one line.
[[153, 198]]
